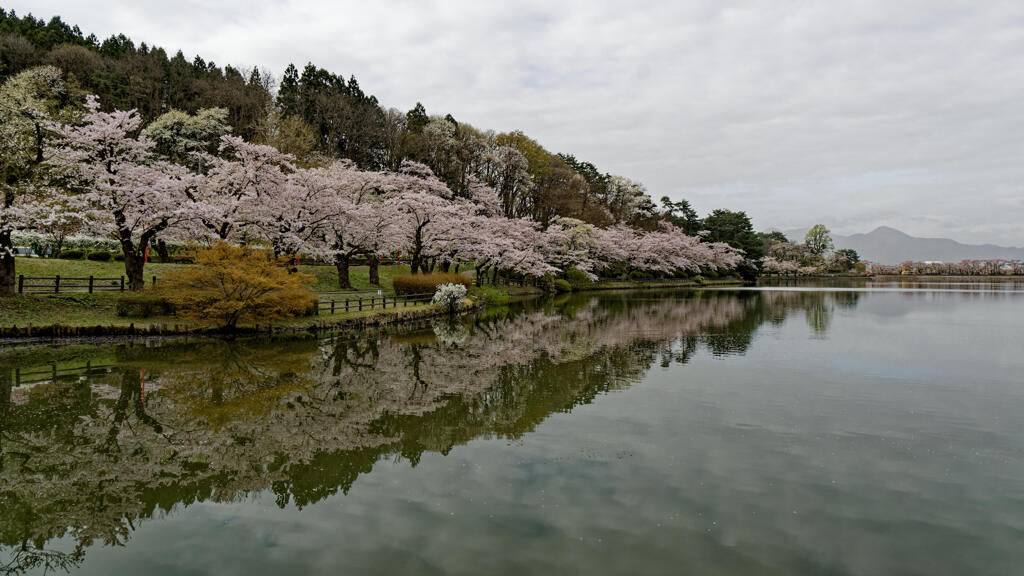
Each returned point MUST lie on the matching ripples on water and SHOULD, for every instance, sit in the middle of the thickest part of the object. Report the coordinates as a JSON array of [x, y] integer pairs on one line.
[[782, 430]]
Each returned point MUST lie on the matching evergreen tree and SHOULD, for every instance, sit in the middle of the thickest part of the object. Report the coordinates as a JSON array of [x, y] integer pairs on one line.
[[417, 119]]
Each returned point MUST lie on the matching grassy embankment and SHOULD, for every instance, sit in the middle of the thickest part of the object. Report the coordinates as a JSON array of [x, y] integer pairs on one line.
[[81, 309]]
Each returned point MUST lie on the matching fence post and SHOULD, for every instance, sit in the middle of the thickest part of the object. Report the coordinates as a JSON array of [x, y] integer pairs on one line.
[[154, 282], [21, 283], [332, 305], [122, 283], [90, 284], [360, 303], [56, 284], [372, 303], [346, 304]]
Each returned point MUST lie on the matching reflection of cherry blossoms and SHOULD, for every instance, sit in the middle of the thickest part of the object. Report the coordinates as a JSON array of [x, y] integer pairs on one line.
[[450, 331], [145, 428]]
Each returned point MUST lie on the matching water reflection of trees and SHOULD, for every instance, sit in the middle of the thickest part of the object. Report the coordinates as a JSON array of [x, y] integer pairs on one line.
[[89, 456]]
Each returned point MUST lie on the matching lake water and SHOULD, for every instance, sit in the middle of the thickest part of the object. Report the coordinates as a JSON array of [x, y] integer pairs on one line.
[[861, 429]]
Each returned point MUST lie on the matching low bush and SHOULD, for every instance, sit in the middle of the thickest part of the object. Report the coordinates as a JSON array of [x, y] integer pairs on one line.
[[426, 283], [546, 283], [449, 297], [578, 279], [99, 256], [71, 254], [119, 256], [234, 285], [491, 294], [144, 304], [562, 286]]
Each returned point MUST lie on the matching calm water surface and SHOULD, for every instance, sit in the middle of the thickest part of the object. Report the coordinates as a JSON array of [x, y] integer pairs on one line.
[[855, 429]]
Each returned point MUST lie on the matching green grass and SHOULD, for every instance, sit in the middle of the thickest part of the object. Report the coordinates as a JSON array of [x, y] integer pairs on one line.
[[493, 295], [359, 276], [99, 310], [83, 268], [68, 310], [326, 276], [341, 316], [81, 309]]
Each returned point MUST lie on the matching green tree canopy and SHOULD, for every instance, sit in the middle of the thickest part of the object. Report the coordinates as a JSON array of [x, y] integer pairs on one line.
[[818, 239], [735, 229]]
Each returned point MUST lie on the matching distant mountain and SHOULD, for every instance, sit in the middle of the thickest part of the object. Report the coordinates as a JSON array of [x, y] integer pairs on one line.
[[887, 245]]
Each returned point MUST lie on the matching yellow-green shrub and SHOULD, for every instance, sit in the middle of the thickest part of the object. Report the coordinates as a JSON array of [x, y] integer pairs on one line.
[[235, 285]]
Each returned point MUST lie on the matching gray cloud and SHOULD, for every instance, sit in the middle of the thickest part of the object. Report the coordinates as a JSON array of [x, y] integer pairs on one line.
[[855, 113]]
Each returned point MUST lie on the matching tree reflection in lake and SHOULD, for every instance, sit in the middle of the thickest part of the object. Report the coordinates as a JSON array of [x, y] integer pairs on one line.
[[95, 439]]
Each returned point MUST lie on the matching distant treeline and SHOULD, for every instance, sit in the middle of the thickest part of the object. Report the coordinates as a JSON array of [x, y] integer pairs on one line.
[[962, 268]]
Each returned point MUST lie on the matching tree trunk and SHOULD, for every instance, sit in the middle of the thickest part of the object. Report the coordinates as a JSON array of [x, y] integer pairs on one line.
[[341, 263], [446, 266], [7, 284], [374, 270], [494, 277], [6, 385], [133, 268], [163, 251]]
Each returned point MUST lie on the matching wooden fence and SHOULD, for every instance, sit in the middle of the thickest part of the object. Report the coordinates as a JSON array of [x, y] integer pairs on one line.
[[58, 284], [355, 304], [23, 376]]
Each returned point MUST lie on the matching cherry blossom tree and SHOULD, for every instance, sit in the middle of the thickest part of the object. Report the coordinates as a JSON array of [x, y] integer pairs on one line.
[[294, 219], [667, 249], [506, 170], [772, 265], [425, 211], [507, 244], [124, 190], [28, 102], [241, 183], [360, 220]]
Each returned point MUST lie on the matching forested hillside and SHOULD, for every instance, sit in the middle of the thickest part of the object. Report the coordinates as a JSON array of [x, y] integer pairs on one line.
[[318, 114]]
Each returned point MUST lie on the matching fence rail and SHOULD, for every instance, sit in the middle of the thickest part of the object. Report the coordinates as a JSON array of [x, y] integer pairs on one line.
[[337, 305], [58, 284], [51, 373]]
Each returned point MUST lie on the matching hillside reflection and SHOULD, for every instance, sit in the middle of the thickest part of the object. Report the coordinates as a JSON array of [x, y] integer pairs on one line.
[[95, 439]]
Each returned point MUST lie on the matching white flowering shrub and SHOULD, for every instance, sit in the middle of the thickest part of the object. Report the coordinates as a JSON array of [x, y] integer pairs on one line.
[[449, 297]]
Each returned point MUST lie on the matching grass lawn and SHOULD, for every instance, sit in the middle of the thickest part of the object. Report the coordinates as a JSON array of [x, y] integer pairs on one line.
[[99, 310], [84, 268], [68, 310], [359, 276], [81, 309], [326, 276], [341, 316]]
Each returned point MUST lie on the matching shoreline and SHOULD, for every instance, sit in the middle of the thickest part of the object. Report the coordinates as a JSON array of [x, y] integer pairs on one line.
[[892, 277], [57, 331], [15, 334]]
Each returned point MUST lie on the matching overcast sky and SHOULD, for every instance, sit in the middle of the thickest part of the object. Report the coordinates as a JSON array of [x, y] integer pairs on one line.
[[854, 114]]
